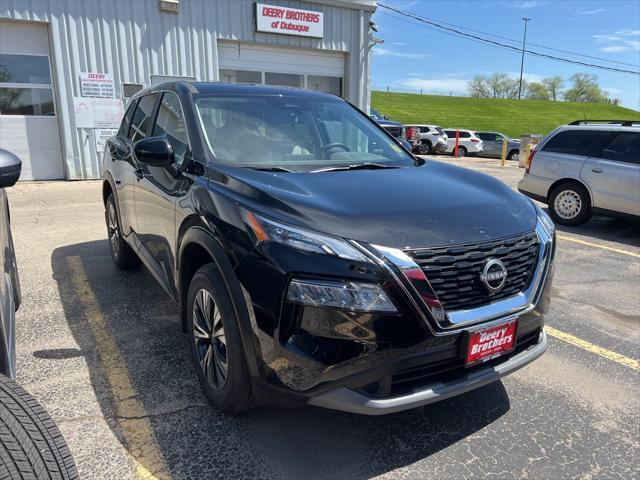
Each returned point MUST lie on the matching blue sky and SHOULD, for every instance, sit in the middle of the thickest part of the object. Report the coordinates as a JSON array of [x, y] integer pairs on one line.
[[414, 57]]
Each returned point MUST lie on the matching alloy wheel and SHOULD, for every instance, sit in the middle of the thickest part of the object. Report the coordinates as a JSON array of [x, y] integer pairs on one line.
[[424, 149], [209, 338], [567, 204], [113, 230]]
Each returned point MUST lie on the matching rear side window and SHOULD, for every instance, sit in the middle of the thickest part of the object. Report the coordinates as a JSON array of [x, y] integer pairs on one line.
[[170, 124], [464, 135], [624, 147], [450, 133], [575, 142], [126, 121], [142, 118]]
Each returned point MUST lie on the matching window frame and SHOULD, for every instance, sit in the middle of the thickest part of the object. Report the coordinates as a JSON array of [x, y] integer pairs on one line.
[[152, 116], [48, 86], [186, 126], [132, 106]]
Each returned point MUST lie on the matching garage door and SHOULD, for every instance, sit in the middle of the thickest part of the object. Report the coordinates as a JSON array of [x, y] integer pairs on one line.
[[28, 123], [304, 68]]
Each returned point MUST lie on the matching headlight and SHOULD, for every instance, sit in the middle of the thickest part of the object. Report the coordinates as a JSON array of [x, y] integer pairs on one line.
[[345, 295], [545, 220], [266, 230]]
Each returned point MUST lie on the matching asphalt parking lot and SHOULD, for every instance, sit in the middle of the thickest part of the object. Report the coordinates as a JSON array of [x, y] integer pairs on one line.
[[103, 352]]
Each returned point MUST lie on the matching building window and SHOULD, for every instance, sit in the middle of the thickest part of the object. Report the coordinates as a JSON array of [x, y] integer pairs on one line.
[[325, 84], [25, 85], [240, 76], [283, 79]]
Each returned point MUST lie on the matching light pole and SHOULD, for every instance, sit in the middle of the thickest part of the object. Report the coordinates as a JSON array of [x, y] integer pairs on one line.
[[524, 42]]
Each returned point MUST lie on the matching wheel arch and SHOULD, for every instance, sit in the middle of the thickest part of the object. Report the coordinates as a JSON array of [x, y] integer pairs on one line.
[[568, 181], [198, 247]]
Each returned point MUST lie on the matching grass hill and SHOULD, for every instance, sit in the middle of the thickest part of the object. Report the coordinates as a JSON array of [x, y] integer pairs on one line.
[[512, 117]]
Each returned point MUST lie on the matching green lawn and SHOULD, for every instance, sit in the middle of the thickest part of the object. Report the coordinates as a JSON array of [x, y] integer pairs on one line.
[[512, 117]]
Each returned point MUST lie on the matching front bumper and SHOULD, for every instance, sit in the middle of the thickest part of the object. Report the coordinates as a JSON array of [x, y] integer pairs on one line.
[[348, 400]]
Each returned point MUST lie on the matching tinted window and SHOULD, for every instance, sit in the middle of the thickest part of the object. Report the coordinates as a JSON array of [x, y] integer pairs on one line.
[[625, 147], [126, 121], [26, 101], [24, 69], [142, 118], [488, 137], [574, 142], [464, 135], [170, 124]]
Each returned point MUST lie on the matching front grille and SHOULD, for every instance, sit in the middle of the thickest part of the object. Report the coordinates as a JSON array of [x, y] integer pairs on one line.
[[454, 271], [395, 131]]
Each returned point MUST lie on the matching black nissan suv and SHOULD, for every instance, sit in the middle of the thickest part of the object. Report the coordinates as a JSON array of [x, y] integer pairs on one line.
[[314, 260]]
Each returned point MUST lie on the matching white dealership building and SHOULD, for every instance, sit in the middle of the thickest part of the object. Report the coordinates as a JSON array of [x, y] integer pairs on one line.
[[67, 67]]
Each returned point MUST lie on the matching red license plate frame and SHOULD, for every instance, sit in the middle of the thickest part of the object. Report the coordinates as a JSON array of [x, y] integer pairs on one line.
[[499, 339]]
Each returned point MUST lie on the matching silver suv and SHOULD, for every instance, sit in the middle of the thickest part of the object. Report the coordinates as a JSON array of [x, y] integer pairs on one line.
[[586, 167]]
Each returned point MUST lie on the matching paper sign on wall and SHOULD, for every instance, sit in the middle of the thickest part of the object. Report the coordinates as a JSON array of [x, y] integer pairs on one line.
[[94, 84], [97, 112], [101, 136], [289, 21]]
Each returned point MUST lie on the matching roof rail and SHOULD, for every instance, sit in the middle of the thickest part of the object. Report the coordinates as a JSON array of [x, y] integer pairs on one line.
[[624, 123]]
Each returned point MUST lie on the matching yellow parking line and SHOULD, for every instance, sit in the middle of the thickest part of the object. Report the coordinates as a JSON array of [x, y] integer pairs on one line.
[[603, 247], [130, 412], [590, 347]]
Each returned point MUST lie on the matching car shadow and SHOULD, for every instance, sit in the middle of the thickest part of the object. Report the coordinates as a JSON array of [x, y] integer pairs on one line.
[[124, 319]]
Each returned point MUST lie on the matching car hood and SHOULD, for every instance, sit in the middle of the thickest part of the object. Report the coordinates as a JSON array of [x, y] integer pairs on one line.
[[431, 205]]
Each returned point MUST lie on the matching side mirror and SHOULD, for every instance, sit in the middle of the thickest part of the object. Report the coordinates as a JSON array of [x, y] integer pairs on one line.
[[10, 168], [154, 151]]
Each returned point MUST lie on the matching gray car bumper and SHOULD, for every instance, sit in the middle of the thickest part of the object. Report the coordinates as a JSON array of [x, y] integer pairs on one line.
[[348, 400]]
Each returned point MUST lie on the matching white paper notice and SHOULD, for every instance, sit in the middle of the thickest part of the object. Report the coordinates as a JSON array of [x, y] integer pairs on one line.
[[97, 112], [102, 135], [94, 84]]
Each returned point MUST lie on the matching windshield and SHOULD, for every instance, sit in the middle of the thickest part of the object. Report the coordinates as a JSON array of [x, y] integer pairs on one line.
[[299, 134]]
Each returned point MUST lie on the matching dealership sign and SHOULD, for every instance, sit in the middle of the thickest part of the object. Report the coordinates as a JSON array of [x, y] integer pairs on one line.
[[289, 21], [95, 84]]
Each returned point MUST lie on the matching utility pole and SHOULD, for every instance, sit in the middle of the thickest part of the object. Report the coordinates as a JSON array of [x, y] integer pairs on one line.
[[524, 42]]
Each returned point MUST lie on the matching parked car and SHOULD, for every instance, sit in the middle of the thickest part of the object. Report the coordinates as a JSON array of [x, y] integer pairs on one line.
[[468, 142], [492, 145], [31, 446], [432, 139], [581, 169], [313, 259], [394, 128]]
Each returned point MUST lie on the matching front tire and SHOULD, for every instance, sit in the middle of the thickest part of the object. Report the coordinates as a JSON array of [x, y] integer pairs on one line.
[[424, 148], [216, 346], [514, 155], [31, 445], [569, 204], [121, 253]]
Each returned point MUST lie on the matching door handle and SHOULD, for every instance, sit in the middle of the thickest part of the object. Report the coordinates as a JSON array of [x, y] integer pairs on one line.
[[139, 174], [596, 170]]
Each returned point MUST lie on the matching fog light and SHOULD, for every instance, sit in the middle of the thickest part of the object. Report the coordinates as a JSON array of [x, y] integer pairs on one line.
[[353, 296]]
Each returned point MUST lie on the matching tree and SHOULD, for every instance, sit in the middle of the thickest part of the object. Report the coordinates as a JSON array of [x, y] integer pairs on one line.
[[585, 88], [553, 86], [498, 85], [537, 91]]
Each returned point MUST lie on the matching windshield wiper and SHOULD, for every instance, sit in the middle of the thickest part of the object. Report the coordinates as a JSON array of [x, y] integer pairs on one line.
[[355, 166], [271, 169]]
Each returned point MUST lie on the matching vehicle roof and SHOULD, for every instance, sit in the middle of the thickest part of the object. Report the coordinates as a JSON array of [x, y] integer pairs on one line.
[[460, 129], [235, 89], [600, 126]]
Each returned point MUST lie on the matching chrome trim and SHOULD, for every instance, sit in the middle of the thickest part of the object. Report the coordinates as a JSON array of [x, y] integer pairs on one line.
[[454, 321]]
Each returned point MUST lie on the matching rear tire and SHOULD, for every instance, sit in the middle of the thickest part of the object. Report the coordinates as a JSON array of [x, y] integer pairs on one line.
[[462, 152], [216, 345], [121, 253], [31, 445], [569, 204]]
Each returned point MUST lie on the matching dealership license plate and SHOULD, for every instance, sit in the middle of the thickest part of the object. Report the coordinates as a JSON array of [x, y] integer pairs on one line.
[[491, 342]]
